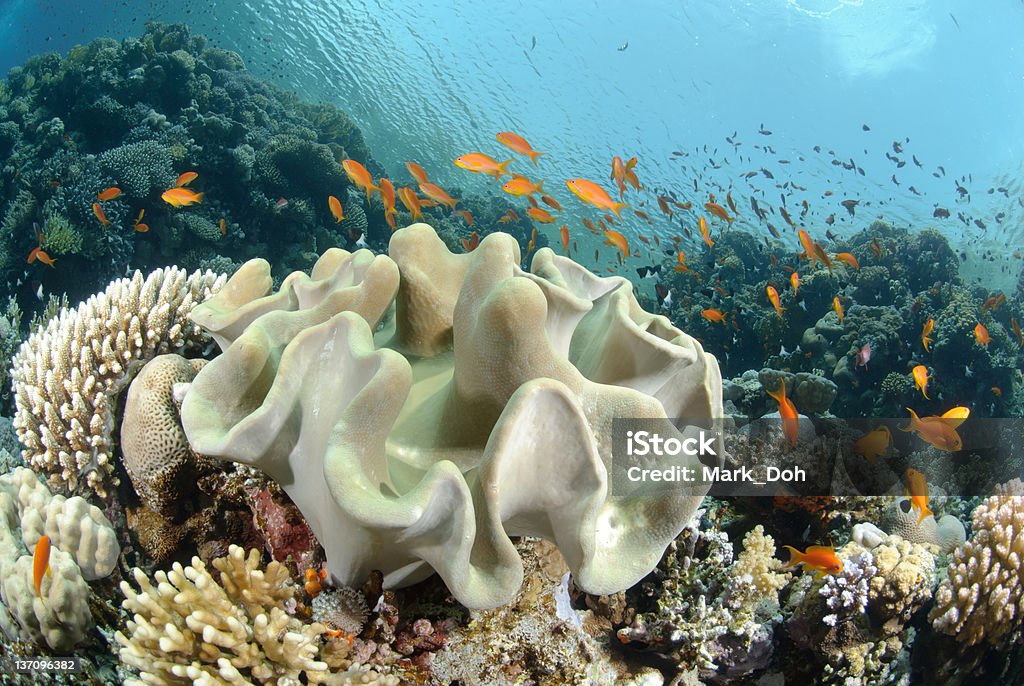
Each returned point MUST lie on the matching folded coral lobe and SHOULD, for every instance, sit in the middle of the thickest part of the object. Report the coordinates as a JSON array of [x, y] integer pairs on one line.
[[482, 409]]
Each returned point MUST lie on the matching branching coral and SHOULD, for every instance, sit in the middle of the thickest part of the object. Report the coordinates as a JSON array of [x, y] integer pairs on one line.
[[66, 376], [983, 597], [496, 421], [188, 628]]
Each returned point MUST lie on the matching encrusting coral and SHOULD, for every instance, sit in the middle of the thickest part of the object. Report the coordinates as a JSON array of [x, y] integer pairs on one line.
[[188, 628], [432, 459], [84, 546], [983, 597], [66, 376]]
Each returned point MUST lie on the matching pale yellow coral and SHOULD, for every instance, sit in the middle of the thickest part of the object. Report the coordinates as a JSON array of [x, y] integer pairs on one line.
[[983, 597], [189, 628], [758, 562], [67, 375]]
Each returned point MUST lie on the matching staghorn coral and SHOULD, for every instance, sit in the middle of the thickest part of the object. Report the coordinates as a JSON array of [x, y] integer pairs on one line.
[[982, 599], [377, 448], [66, 376], [84, 547], [188, 628]]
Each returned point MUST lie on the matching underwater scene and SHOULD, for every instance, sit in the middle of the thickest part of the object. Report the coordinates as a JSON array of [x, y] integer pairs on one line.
[[662, 343]]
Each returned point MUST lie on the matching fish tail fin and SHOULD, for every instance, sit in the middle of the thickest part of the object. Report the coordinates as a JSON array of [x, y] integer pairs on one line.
[[779, 395], [199, 198], [540, 186], [925, 512], [534, 155], [795, 556], [617, 206], [914, 423], [501, 170]]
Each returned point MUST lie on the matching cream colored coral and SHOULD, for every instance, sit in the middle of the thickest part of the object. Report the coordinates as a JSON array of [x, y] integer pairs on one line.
[[903, 583], [758, 562], [67, 375], [483, 409], [983, 597], [84, 545], [155, 452], [187, 626]]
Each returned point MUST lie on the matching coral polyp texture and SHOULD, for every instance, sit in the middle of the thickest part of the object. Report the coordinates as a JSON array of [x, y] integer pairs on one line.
[[982, 600], [189, 628], [67, 375], [481, 409]]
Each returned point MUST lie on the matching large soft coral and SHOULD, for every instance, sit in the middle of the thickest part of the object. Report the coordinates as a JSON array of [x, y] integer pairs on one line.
[[483, 409]]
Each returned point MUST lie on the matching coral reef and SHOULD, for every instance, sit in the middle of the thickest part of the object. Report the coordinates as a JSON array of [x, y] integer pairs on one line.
[[66, 376], [900, 518], [559, 347]]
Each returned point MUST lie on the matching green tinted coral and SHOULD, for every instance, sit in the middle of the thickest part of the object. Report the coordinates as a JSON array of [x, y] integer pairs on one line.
[[61, 237], [139, 168]]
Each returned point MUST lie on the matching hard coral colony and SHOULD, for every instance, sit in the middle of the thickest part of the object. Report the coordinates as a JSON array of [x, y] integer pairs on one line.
[[359, 436]]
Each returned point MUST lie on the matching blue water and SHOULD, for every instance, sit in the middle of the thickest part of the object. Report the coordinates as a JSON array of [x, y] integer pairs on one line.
[[585, 81]]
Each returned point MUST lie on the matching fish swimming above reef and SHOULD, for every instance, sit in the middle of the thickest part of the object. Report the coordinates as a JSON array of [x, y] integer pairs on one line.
[[935, 431], [820, 558], [874, 444]]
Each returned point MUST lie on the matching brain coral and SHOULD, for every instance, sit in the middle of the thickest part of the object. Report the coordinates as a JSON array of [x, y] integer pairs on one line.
[[482, 409]]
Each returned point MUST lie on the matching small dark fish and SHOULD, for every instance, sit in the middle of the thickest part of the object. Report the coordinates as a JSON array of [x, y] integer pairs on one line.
[[830, 219], [961, 190], [896, 147], [1000, 217], [941, 213], [980, 224], [954, 21], [773, 230], [894, 181], [849, 205], [914, 157], [785, 215], [914, 190], [829, 235], [942, 170], [767, 173], [749, 175], [533, 42], [901, 164], [860, 170], [763, 131], [817, 148], [865, 127], [622, 48]]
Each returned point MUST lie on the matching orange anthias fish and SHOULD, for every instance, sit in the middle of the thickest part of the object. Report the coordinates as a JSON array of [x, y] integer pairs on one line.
[[181, 197], [981, 335], [411, 202], [956, 416], [438, 194], [38, 254], [474, 240], [663, 204], [631, 177], [223, 227], [592, 194], [466, 216], [358, 175], [616, 239], [822, 256], [837, 305], [848, 258], [920, 374], [935, 431], [185, 179], [917, 489], [336, 210], [109, 193], [718, 211], [808, 244], [1017, 332], [41, 563], [564, 233], [681, 262], [387, 195], [821, 559], [787, 410], [994, 302], [773, 298], [713, 315], [794, 281], [874, 444], [479, 163], [926, 334], [143, 228], [539, 215], [705, 232], [520, 185], [551, 202], [518, 144], [416, 171], [97, 210]]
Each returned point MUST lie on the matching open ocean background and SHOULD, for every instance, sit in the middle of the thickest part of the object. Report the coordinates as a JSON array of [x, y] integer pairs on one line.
[[585, 81]]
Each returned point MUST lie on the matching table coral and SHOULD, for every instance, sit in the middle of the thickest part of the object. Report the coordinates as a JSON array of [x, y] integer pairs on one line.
[[424, 451], [66, 376], [187, 627]]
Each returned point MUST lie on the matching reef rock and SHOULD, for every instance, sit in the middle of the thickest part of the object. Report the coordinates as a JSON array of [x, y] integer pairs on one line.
[[481, 410]]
